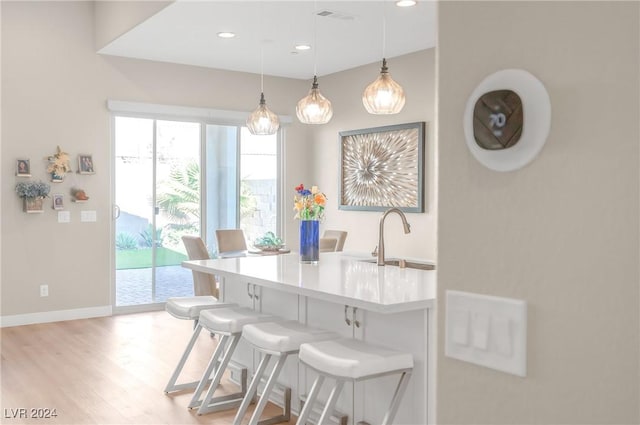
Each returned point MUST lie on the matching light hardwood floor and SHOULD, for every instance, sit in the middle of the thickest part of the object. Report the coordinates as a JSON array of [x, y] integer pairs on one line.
[[110, 370]]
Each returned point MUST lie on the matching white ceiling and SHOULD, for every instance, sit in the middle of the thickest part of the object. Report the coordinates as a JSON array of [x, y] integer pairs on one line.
[[185, 32]]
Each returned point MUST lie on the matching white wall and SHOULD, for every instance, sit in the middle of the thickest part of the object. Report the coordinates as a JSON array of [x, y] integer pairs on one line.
[[114, 18], [55, 89], [561, 233], [416, 73]]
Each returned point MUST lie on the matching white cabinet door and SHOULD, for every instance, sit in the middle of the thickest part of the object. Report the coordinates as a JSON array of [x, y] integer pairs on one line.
[[407, 332], [331, 316]]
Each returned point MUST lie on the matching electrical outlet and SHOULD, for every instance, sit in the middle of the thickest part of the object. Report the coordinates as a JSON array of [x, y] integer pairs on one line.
[[44, 290]]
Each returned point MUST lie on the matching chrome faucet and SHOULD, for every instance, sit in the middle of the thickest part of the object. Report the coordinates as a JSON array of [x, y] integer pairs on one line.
[[405, 224]]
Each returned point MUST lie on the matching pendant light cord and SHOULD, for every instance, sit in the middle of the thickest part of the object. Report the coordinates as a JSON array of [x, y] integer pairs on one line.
[[261, 53], [315, 38], [261, 68], [384, 31]]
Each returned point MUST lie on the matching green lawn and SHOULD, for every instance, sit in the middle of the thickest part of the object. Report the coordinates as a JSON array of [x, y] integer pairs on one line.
[[141, 258]]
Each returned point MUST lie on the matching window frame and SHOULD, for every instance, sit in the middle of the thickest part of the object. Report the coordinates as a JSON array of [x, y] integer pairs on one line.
[[204, 117]]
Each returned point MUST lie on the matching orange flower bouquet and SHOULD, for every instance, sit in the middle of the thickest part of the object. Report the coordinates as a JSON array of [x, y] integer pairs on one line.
[[309, 204]]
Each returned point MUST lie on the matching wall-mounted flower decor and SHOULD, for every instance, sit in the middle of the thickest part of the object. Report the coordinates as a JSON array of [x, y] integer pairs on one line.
[[58, 165], [33, 193]]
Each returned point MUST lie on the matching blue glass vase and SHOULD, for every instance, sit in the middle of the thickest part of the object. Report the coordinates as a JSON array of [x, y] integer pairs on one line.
[[309, 241]]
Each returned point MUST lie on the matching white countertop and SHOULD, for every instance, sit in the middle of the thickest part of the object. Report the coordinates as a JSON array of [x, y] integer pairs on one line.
[[338, 277]]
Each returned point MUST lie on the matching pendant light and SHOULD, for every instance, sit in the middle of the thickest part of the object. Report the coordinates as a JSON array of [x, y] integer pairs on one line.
[[262, 121], [383, 96], [314, 108]]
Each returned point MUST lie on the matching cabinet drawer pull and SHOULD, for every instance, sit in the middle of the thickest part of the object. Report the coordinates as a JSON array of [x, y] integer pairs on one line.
[[346, 317], [355, 319]]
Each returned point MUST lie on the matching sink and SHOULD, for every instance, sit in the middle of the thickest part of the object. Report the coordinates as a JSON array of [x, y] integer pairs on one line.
[[406, 263]]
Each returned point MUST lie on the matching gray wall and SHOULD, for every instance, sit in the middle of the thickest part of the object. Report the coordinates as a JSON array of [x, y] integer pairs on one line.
[[54, 92], [561, 233], [416, 73]]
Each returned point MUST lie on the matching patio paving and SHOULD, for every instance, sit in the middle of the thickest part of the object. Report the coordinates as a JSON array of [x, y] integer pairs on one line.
[[133, 286]]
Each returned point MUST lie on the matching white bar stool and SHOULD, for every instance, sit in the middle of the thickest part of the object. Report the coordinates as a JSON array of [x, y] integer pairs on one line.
[[279, 340], [228, 323], [350, 359], [189, 308]]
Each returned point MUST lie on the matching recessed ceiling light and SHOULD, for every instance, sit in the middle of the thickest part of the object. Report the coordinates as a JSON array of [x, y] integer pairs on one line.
[[226, 34], [406, 3], [302, 46]]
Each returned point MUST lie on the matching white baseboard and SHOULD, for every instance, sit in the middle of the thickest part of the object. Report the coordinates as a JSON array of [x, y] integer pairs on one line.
[[55, 316]]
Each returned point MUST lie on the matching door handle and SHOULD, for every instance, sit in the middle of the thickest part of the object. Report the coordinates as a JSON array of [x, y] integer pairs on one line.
[[116, 211]]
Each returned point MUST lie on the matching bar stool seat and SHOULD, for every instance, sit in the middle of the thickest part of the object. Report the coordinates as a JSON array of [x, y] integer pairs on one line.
[[354, 359], [349, 359], [189, 308], [228, 323], [231, 320], [283, 337], [275, 339]]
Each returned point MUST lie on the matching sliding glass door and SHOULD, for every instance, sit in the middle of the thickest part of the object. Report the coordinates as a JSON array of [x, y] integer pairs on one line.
[[259, 189], [157, 193], [177, 177]]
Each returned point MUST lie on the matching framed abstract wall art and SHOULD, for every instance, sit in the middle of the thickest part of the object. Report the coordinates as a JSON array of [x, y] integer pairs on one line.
[[382, 167]]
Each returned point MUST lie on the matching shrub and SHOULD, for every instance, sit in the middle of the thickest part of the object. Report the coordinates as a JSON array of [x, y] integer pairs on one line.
[[147, 237], [125, 240]]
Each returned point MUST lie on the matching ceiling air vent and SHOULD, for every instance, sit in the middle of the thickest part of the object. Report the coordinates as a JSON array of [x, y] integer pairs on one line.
[[335, 15]]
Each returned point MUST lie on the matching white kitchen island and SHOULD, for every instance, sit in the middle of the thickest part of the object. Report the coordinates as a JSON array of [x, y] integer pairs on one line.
[[387, 306]]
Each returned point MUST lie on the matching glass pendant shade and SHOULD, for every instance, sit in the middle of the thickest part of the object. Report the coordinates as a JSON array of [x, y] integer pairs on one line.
[[383, 96], [314, 108], [262, 121]]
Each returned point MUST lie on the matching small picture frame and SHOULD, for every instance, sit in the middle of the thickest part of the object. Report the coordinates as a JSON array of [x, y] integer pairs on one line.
[[85, 164], [23, 168], [58, 202]]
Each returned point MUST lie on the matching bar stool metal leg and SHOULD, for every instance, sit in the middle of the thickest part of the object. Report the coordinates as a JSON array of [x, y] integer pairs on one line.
[[397, 397], [331, 402], [171, 385], [265, 397], [251, 392], [224, 402], [311, 399], [206, 377]]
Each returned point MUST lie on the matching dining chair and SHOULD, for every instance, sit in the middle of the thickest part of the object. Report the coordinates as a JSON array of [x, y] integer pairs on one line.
[[339, 235], [328, 244], [230, 240], [203, 283]]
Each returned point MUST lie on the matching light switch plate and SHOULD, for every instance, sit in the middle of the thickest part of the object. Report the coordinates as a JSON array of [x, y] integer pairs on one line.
[[64, 216], [88, 216], [496, 334], [460, 326]]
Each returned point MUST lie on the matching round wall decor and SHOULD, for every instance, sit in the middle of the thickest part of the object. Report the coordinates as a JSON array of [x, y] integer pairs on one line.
[[507, 120]]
